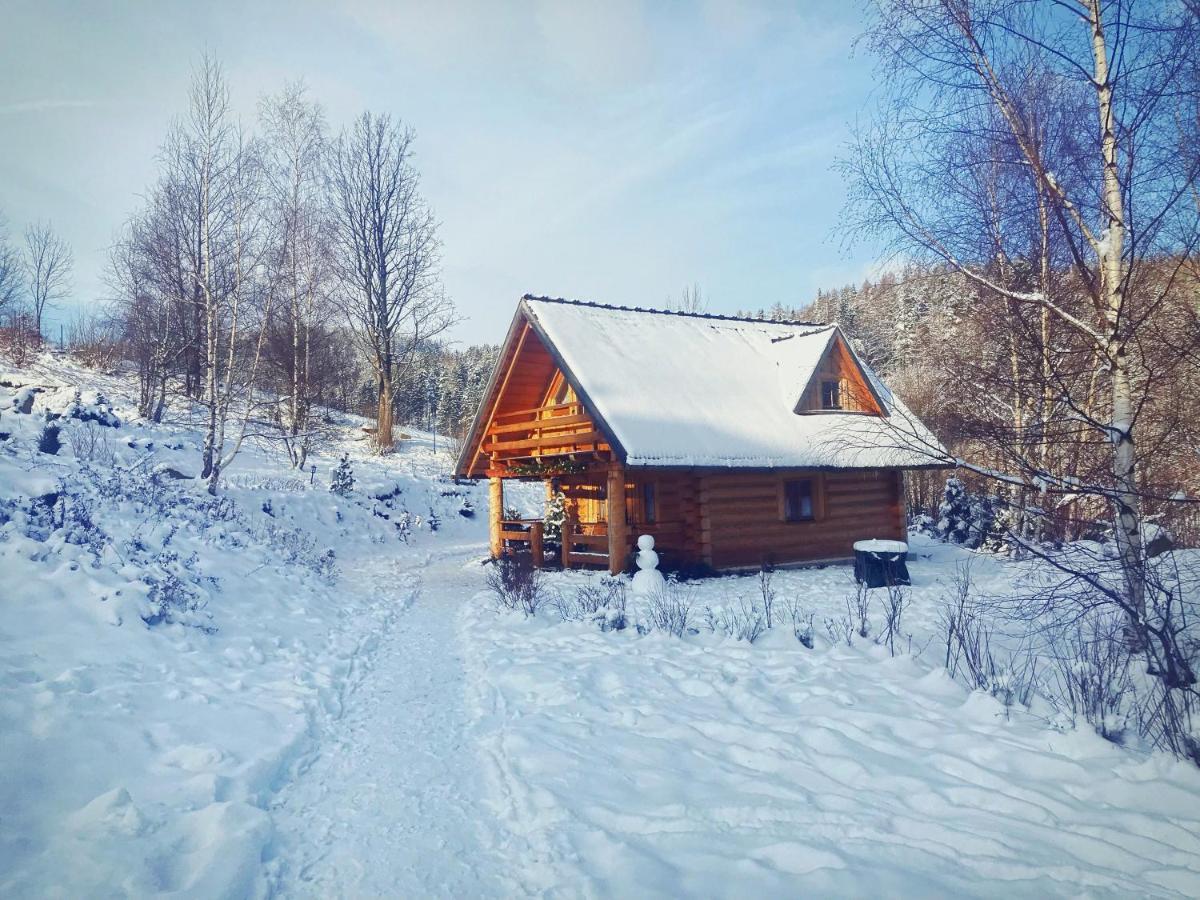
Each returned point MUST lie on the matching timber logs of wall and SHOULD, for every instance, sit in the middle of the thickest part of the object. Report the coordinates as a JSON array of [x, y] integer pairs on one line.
[[737, 519], [742, 520], [676, 516]]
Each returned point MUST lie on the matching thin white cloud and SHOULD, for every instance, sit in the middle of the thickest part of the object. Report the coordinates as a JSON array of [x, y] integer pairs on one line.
[[28, 106], [602, 45]]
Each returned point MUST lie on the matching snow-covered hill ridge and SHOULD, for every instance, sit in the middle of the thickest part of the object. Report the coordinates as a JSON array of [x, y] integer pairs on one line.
[[165, 655]]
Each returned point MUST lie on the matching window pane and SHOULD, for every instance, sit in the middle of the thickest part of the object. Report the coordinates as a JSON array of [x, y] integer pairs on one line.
[[797, 500], [831, 395], [648, 502]]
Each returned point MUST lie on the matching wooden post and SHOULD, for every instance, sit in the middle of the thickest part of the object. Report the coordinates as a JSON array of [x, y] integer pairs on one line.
[[535, 544], [616, 518], [495, 515], [902, 505], [568, 535]]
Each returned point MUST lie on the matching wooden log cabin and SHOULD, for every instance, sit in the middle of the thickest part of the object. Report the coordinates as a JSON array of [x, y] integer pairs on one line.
[[732, 441]]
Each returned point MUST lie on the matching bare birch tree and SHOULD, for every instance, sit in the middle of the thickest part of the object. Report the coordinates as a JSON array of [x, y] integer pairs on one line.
[[295, 151], [387, 254], [210, 235], [147, 276], [48, 261], [1034, 147]]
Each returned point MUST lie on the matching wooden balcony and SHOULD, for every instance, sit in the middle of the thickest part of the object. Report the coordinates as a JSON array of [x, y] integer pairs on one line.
[[561, 429]]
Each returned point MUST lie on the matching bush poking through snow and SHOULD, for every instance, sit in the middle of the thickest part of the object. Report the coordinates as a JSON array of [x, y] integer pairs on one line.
[[840, 630], [802, 622], [767, 592], [603, 603], [858, 609], [48, 440], [516, 585], [342, 482], [743, 621], [1008, 676], [89, 444], [1091, 678], [670, 609], [172, 595], [894, 604]]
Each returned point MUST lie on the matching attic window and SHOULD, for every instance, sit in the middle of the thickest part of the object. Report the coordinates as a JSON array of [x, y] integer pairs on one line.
[[831, 395]]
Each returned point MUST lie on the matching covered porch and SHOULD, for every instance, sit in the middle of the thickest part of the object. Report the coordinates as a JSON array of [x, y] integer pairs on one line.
[[558, 444]]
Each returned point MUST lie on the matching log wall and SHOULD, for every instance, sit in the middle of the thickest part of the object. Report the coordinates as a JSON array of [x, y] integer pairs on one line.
[[741, 516], [729, 520]]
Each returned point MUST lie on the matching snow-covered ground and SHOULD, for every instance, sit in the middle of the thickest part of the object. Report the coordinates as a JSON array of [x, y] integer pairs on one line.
[[650, 765], [367, 724]]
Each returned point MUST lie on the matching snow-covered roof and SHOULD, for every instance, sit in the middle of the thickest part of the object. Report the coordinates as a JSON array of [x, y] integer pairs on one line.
[[674, 389]]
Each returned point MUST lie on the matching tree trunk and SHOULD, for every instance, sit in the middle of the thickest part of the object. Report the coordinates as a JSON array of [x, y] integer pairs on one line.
[[1111, 247], [383, 416]]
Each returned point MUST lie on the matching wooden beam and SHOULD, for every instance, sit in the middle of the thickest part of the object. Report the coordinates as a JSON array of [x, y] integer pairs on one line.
[[567, 439], [534, 412], [535, 544], [616, 518], [495, 515], [532, 424], [568, 536]]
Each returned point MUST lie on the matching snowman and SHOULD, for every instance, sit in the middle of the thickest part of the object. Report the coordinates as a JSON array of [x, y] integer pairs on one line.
[[647, 581]]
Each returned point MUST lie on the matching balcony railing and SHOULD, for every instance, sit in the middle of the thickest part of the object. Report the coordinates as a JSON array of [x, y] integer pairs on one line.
[[543, 431]]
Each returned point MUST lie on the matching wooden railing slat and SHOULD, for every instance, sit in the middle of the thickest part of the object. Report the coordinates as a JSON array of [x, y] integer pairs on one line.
[[538, 411]]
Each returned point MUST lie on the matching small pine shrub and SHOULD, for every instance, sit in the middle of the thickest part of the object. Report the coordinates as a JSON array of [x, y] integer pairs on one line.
[[556, 515], [954, 513], [342, 483], [964, 518], [48, 440]]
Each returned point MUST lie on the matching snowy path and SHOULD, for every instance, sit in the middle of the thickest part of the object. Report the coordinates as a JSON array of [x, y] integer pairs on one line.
[[389, 806]]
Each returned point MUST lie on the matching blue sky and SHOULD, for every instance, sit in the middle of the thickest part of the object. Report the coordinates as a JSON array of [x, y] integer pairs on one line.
[[614, 151]]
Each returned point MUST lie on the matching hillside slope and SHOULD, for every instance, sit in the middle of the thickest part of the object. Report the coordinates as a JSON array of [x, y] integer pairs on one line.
[[168, 659]]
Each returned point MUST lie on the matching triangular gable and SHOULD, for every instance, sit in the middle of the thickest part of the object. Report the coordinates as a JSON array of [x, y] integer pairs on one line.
[[797, 356], [839, 363], [526, 374]]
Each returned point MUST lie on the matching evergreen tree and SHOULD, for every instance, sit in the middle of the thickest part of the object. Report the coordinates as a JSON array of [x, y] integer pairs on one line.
[[343, 478], [556, 515]]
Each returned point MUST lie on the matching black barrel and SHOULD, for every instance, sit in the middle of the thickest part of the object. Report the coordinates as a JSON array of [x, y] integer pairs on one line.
[[881, 563]]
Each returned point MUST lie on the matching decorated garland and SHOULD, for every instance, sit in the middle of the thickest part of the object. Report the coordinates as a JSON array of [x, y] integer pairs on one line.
[[551, 468]]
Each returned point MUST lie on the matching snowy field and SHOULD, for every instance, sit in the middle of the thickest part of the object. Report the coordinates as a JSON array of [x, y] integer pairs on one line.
[[655, 766], [197, 698]]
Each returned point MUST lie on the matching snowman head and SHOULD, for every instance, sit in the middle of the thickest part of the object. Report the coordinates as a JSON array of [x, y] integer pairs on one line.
[[646, 542]]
